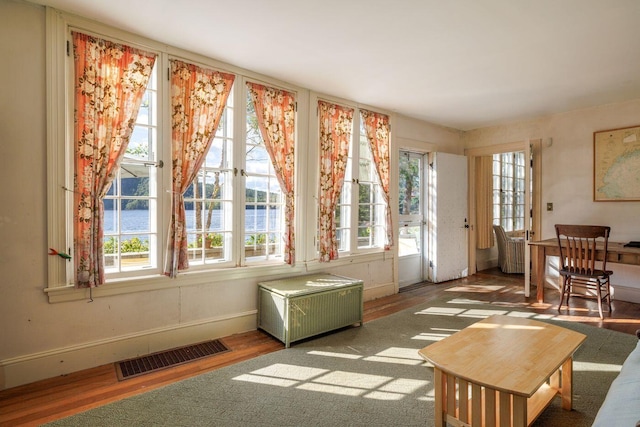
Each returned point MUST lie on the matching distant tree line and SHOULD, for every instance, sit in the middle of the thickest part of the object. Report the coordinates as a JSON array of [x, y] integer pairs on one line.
[[136, 187]]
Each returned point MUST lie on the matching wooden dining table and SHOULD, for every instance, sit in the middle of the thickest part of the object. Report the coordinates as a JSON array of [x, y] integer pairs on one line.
[[617, 253]]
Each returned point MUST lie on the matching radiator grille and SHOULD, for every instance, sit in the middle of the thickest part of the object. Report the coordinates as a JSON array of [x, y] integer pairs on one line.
[[165, 359]]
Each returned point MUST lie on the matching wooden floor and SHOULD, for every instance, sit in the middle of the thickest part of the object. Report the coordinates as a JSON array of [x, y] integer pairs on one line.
[[49, 400]]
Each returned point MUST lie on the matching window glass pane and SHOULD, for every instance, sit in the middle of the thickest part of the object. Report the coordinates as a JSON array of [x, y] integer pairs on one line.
[[409, 185], [409, 240], [508, 190], [130, 205], [258, 160], [264, 199]]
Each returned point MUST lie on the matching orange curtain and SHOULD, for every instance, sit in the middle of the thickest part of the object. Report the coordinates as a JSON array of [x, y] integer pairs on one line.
[[378, 132], [276, 114], [336, 123], [484, 202], [198, 98], [110, 81]]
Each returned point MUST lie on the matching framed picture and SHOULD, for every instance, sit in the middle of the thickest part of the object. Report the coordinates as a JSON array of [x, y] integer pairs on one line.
[[616, 165]]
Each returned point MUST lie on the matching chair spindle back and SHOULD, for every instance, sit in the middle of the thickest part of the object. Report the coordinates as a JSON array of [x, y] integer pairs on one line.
[[577, 245]]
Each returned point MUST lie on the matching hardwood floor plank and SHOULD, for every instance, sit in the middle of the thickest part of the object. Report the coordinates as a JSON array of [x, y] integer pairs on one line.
[[55, 398]]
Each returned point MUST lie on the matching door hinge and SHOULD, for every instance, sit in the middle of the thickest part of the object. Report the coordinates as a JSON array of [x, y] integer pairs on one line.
[[68, 48]]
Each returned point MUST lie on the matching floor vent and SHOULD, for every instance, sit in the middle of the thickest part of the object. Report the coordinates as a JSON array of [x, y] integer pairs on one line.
[[165, 359]]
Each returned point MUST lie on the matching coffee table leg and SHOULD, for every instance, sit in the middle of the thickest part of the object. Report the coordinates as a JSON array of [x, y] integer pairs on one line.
[[567, 384], [438, 389], [519, 411]]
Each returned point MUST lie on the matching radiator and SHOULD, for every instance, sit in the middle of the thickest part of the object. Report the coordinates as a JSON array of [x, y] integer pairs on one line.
[[296, 308]]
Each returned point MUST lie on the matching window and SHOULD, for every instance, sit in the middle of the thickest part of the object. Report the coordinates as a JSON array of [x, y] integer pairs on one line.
[[235, 207], [509, 190], [131, 205], [361, 211], [209, 199], [264, 199]]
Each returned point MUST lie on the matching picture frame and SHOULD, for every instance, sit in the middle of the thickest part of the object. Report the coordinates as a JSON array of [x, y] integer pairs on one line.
[[616, 165]]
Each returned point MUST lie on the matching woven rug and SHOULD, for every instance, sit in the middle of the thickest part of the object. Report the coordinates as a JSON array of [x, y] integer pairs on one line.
[[359, 376]]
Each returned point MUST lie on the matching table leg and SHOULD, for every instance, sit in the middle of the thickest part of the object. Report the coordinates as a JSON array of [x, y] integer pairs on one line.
[[438, 389], [519, 410], [540, 270], [567, 384]]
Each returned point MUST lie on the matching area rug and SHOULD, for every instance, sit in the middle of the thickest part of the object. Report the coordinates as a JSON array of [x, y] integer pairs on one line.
[[361, 376]]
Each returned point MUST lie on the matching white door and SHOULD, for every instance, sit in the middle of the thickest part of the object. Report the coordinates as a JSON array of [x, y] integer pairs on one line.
[[528, 225], [448, 226], [410, 218]]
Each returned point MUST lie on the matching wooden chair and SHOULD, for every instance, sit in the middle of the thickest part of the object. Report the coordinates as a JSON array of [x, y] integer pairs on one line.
[[510, 252], [577, 244]]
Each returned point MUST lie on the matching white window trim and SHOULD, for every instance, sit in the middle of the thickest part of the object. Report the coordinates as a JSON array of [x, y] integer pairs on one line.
[[58, 94], [314, 159], [60, 128]]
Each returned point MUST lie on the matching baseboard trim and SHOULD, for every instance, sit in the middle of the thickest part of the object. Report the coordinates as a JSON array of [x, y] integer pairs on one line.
[[625, 293], [38, 366], [379, 291], [62, 361]]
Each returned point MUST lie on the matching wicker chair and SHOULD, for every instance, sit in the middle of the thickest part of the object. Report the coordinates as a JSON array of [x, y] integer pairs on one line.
[[510, 252]]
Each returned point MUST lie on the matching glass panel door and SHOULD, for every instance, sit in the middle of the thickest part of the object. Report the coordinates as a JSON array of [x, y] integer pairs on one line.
[[411, 218]]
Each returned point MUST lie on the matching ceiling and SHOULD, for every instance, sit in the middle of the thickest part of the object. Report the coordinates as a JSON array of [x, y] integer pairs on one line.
[[464, 64]]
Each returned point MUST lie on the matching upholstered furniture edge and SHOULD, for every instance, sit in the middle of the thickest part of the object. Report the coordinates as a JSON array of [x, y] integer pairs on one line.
[[621, 406]]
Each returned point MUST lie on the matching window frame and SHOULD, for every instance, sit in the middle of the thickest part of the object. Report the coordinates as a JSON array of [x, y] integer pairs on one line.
[[59, 113], [263, 259], [509, 223], [351, 190]]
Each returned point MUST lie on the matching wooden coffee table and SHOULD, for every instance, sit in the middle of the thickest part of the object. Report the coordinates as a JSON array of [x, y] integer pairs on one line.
[[501, 371]]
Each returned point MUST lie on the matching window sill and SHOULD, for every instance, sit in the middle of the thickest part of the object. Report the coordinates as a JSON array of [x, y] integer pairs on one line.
[[160, 282], [199, 277]]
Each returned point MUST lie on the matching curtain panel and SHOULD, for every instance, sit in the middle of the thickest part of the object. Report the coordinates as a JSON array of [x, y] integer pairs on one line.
[[484, 202], [378, 132], [276, 112], [336, 123], [110, 82], [198, 98]]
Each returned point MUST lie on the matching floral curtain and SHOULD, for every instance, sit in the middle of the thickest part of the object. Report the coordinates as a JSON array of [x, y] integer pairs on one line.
[[378, 133], [110, 81], [484, 202], [276, 113], [336, 123], [198, 98]]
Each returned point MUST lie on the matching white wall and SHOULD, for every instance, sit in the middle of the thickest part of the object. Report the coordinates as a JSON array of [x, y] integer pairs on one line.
[[567, 176], [39, 339]]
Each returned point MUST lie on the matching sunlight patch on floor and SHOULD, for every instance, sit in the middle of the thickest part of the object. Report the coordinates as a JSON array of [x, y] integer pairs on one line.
[[481, 289], [595, 367], [481, 314], [398, 355], [353, 379], [336, 355], [370, 386], [291, 372], [327, 388], [442, 311], [259, 379], [430, 336]]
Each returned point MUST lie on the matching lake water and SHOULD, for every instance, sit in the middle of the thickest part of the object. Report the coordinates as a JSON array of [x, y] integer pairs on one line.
[[138, 220]]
